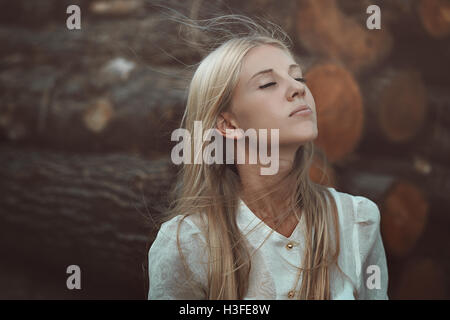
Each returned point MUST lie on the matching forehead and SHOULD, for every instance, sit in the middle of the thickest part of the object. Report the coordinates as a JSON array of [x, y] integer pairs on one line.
[[264, 57]]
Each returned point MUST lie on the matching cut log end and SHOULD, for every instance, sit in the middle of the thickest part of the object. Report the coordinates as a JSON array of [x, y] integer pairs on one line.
[[324, 29], [404, 215], [435, 17], [339, 109], [402, 108]]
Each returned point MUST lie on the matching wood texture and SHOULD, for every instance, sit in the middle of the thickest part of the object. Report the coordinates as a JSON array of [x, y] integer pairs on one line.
[[396, 105], [98, 212], [339, 108], [325, 30], [96, 108], [86, 116]]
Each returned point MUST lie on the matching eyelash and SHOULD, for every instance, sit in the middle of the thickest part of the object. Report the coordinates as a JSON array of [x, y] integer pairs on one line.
[[303, 80]]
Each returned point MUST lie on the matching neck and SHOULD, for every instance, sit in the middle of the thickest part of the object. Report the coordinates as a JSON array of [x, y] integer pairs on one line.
[[267, 195]]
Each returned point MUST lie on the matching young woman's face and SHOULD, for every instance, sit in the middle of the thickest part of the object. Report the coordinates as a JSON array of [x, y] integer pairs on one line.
[[266, 100]]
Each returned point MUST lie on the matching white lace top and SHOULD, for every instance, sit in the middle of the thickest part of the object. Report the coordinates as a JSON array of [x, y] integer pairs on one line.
[[274, 264]]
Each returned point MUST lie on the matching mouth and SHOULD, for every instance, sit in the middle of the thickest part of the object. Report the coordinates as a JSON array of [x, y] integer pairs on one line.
[[300, 110]]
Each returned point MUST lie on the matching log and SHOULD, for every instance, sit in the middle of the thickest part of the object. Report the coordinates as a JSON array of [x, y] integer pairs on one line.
[[403, 193], [435, 17], [396, 105], [430, 148], [96, 211], [116, 7], [398, 15], [306, 61], [284, 16], [339, 109], [403, 208], [405, 211], [118, 106], [35, 15], [372, 174], [414, 46], [362, 181], [22, 282], [405, 19], [434, 145], [323, 29], [422, 278], [136, 29], [132, 38], [439, 106]]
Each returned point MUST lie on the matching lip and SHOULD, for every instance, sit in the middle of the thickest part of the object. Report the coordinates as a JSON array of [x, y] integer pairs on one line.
[[304, 110]]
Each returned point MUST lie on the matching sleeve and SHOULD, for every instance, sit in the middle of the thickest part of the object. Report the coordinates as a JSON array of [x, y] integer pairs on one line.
[[371, 264], [168, 277]]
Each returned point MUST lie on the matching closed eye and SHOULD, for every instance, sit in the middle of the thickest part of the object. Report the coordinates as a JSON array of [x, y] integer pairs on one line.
[[267, 85], [303, 80]]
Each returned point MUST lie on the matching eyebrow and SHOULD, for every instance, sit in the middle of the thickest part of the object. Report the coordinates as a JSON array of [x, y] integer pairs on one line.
[[292, 66]]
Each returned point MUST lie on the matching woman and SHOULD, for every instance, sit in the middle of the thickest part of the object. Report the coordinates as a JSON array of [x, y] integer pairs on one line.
[[234, 233]]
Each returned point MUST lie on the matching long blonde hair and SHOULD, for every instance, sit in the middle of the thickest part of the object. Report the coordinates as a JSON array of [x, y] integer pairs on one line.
[[213, 189]]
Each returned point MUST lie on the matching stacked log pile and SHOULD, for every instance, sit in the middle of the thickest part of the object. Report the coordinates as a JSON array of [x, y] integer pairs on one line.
[[86, 118]]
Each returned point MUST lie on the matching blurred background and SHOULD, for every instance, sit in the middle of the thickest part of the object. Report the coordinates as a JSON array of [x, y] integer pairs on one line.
[[86, 118]]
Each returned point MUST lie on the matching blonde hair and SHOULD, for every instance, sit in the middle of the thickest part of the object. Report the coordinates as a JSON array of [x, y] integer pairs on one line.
[[213, 189]]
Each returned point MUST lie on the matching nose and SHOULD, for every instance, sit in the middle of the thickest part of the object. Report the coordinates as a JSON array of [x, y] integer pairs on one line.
[[296, 89]]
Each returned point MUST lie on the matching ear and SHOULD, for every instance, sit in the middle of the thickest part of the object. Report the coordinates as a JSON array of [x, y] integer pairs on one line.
[[228, 127]]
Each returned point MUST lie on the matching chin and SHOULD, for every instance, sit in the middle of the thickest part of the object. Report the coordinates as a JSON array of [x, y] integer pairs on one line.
[[307, 136], [297, 141]]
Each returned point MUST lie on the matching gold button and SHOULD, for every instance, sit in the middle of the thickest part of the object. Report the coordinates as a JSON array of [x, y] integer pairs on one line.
[[289, 246], [291, 294]]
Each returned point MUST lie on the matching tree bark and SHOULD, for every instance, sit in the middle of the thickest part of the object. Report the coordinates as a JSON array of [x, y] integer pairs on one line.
[[93, 109], [98, 212]]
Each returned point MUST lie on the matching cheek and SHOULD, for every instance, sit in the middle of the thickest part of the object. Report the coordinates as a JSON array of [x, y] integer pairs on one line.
[[266, 117], [257, 113]]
